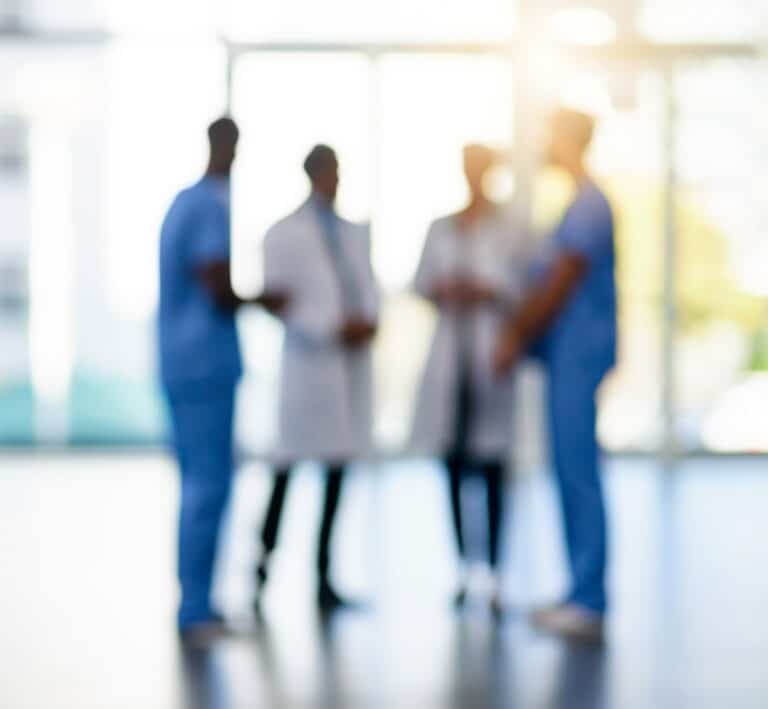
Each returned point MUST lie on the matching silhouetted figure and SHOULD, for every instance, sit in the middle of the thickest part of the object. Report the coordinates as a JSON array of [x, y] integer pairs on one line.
[[323, 262], [570, 318], [200, 367], [473, 270]]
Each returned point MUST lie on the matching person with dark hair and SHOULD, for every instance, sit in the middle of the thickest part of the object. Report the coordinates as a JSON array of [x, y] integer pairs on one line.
[[200, 367], [320, 161], [569, 319], [323, 261], [472, 270]]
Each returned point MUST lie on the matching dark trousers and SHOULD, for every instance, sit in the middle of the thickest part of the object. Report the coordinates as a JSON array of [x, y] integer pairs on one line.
[[458, 463], [492, 473], [333, 485]]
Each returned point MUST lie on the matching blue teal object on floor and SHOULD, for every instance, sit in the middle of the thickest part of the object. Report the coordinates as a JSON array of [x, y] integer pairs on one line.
[[17, 413], [113, 410]]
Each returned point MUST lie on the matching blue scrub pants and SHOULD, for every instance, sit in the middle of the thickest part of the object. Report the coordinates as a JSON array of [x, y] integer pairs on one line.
[[572, 413], [202, 420]]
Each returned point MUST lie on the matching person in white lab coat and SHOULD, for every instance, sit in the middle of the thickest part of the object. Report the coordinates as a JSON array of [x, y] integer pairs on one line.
[[323, 263], [472, 269]]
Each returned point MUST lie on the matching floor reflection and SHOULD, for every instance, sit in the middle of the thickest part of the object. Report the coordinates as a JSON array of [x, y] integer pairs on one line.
[[688, 628], [581, 678], [331, 690], [204, 681], [331, 669], [484, 670]]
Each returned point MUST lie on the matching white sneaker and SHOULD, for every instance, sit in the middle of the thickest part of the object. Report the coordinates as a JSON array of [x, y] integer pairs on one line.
[[571, 621]]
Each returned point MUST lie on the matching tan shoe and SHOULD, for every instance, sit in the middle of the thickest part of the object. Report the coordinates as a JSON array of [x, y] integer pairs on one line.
[[571, 621], [205, 634]]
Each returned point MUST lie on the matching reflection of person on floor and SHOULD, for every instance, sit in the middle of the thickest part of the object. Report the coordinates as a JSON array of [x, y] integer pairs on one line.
[[472, 269], [205, 682], [323, 261], [272, 676], [581, 678], [570, 319], [484, 672], [323, 684], [200, 367]]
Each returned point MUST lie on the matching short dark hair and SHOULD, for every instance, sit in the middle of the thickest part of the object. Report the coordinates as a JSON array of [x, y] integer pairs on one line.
[[320, 158], [223, 131]]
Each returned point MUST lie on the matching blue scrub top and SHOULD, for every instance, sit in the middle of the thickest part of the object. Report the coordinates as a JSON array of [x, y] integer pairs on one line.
[[585, 331], [198, 340]]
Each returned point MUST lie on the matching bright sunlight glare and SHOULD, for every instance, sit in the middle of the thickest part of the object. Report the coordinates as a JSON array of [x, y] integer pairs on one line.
[[583, 26]]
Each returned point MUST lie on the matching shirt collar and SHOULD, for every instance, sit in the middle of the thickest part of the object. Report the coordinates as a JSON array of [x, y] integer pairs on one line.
[[321, 206]]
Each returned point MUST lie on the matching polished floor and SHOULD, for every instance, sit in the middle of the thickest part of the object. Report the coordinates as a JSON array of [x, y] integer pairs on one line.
[[87, 595]]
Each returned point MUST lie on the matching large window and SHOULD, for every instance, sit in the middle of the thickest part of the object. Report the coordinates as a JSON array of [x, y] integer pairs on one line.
[[16, 399], [92, 155], [98, 131], [400, 152], [351, 20], [702, 20], [722, 343], [286, 104]]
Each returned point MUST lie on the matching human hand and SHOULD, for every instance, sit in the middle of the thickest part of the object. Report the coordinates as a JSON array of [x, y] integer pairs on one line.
[[275, 303], [479, 293], [357, 332], [465, 292], [448, 292], [509, 349]]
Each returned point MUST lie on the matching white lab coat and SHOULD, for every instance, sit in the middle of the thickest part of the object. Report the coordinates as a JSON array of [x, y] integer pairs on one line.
[[325, 396], [495, 253]]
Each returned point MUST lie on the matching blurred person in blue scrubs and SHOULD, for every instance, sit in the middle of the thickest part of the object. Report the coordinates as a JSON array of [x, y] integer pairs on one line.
[[324, 262], [200, 366], [569, 319]]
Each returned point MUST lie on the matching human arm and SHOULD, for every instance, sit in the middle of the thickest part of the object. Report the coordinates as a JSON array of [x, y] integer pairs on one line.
[[538, 310], [584, 238], [360, 328]]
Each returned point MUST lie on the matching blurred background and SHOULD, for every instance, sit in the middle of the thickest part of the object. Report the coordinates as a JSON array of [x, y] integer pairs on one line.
[[103, 111], [103, 107]]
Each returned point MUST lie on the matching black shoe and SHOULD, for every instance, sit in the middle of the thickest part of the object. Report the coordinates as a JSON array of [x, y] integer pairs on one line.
[[460, 599], [497, 607], [262, 576], [328, 601]]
